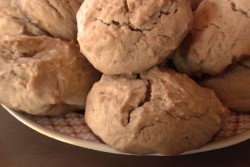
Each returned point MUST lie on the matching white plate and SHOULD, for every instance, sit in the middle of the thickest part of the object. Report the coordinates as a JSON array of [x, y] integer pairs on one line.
[[72, 129]]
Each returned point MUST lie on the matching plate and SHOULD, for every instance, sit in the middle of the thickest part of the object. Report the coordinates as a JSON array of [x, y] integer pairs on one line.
[[72, 129]]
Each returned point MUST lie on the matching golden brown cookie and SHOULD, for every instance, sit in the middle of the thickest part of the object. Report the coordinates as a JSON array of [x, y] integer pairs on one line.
[[219, 37], [157, 111], [232, 86], [43, 75], [131, 36]]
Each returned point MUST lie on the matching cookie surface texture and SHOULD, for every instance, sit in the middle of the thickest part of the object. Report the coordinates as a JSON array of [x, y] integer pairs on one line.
[[232, 86], [56, 17], [43, 75], [14, 22], [219, 37], [130, 36], [161, 111]]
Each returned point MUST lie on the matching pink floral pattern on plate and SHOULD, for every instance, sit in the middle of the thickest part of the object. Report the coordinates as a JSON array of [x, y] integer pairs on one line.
[[73, 125], [71, 128]]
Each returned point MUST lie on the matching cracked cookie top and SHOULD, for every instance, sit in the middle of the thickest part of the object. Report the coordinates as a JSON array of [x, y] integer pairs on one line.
[[130, 36], [43, 75], [156, 111], [219, 37]]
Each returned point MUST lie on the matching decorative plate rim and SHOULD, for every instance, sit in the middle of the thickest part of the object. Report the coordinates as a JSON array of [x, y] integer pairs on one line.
[[105, 148]]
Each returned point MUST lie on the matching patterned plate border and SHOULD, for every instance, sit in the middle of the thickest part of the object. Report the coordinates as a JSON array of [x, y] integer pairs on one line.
[[73, 130]]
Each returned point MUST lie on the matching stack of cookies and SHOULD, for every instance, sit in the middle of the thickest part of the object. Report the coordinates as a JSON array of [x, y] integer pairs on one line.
[[42, 71], [139, 106], [171, 69]]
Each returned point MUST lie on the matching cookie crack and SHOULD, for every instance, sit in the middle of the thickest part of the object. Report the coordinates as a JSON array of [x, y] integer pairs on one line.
[[188, 118], [148, 93], [119, 25], [161, 14], [143, 128], [235, 9], [125, 2], [54, 8], [132, 27], [218, 28], [147, 98]]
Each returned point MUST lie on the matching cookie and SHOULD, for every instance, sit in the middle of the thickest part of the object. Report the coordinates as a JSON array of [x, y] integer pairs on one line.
[[14, 22], [219, 37], [56, 17], [232, 86], [156, 111], [119, 37], [43, 75]]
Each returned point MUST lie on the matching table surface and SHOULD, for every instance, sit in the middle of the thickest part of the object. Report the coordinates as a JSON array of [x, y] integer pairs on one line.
[[21, 146]]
